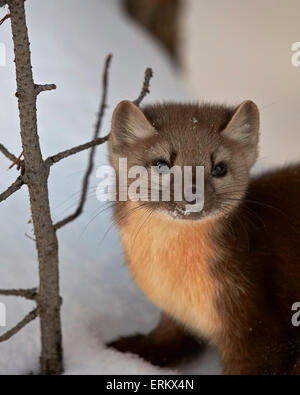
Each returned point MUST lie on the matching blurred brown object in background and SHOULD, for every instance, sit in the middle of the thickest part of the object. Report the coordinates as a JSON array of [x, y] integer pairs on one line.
[[160, 17]]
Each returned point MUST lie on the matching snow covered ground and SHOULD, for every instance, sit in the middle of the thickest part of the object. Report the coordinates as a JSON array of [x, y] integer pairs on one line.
[[69, 42]]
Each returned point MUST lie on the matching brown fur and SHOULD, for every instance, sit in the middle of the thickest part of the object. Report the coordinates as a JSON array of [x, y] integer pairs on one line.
[[233, 274], [262, 243]]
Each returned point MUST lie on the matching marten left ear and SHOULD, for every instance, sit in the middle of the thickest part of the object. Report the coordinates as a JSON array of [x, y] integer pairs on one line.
[[129, 124], [244, 129]]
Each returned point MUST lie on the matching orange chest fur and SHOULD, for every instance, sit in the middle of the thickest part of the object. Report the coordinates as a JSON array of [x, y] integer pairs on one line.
[[169, 261]]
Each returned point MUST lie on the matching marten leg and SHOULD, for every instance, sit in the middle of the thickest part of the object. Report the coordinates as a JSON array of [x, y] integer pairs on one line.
[[167, 345]]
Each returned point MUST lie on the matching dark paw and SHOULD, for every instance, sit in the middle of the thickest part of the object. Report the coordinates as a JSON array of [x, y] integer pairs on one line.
[[130, 344], [158, 353]]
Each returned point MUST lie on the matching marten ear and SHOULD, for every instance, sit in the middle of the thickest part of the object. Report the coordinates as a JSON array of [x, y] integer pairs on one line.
[[244, 129], [129, 124]]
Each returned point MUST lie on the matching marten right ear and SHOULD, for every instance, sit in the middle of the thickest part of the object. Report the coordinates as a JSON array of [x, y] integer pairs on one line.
[[129, 124], [244, 129]]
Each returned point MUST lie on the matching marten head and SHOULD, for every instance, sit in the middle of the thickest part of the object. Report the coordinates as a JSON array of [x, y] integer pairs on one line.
[[220, 141]]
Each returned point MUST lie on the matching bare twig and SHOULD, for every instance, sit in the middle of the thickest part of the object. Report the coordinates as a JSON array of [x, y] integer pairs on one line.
[[17, 162], [145, 88], [12, 189], [29, 317], [30, 294], [7, 16], [8, 154], [65, 154], [103, 103], [51, 160], [30, 237], [43, 88], [12, 157], [85, 182]]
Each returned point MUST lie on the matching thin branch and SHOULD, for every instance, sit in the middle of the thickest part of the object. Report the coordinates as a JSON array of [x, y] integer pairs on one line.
[[145, 89], [30, 237], [12, 189], [8, 154], [13, 158], [30, 294], [85, 182], [43, 88], [7, 16], [17, 162], [51, 160], [103, 104], [65, 154], [29, 317]]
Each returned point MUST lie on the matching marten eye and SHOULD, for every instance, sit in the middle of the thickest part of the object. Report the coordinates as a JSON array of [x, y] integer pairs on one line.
[[162, 167], [220, 170]]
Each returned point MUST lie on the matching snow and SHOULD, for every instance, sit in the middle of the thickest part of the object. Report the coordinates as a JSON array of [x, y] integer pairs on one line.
[[69, 43]]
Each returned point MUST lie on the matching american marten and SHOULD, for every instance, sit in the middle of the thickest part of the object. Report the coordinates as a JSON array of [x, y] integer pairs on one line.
[[229, 273]]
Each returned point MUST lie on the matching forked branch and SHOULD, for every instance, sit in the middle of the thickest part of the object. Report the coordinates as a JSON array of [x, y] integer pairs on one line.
[[51, 160], [36, 178], [85, 182]]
